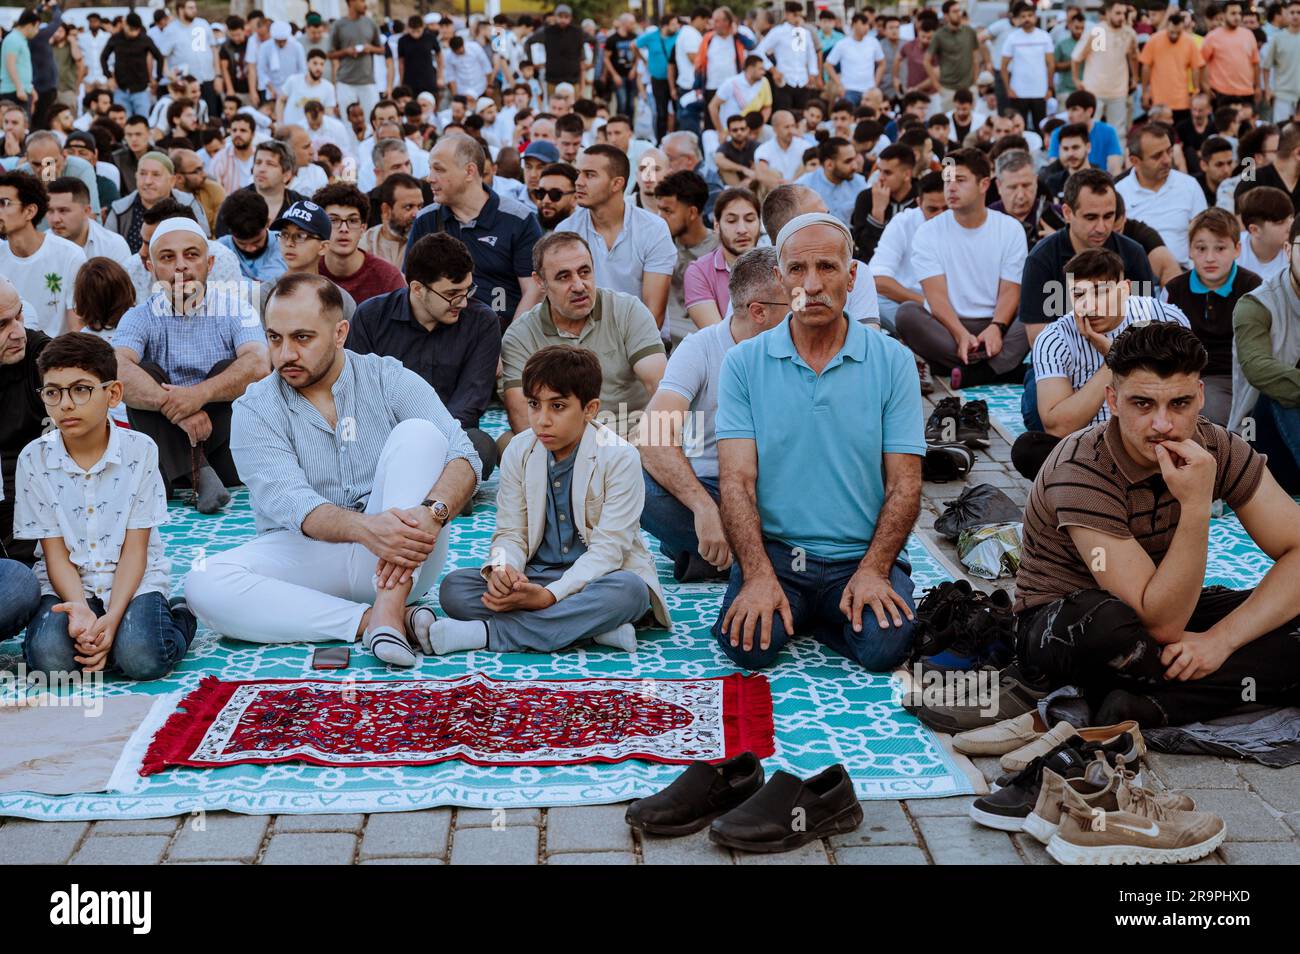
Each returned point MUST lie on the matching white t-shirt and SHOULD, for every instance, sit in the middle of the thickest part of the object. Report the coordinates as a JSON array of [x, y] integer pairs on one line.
[[693, 372], [688, 44], [855, 61], [44, 280], [736, 94], [893, 255], [1250, 261], [973, 260], [1028, 66], [788, 162], [298, 90], [722, 63]]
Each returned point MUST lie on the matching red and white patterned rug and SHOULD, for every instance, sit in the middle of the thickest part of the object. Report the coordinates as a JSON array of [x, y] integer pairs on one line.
[[473, 718]]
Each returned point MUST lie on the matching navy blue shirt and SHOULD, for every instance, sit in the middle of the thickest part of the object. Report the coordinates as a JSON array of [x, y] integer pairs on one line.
[[1042, 289], [500, 241], [459, 360]]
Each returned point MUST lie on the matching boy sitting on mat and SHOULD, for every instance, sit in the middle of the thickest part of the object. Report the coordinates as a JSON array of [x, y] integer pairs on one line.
[[93, 496], [567, 560]]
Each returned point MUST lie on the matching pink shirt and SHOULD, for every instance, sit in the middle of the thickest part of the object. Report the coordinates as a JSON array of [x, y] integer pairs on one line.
[[706, 280], [1230, 57]]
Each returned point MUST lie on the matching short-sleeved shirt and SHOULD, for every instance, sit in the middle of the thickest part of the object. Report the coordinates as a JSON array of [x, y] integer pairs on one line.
[[620, 331], [418, 54], [1230, 57], [741, 157], [954, 51], [1028, 51], [707, 280], [658, 48], [1169, 210], [693, 371], [347, 33], [44, 280], [92, 510], [561, 545], [856, 62], [15, 44], [643, 245], [1209, 313], [186, 347], [1169, 63], [973, 260], [1103, 142], [1104, 53], [768, 394], [1045, 271], [1090, 480], [740, 97]]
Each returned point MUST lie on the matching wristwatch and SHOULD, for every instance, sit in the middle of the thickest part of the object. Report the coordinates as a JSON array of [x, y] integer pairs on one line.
[[439, 509]]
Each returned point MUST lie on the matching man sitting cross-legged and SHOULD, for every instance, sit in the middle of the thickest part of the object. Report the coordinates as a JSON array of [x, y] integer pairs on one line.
[[1110, 595], [355, 468], [817, 503], [567, 562], [678, 448], [1070, 372]]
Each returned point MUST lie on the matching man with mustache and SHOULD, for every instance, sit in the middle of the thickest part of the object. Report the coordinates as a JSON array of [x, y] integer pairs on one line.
[[400, 201], [555, 195]]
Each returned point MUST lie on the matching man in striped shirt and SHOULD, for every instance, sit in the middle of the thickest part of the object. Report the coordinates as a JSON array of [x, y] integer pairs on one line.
[[1111, 595], [355, 467], [1070, 373]]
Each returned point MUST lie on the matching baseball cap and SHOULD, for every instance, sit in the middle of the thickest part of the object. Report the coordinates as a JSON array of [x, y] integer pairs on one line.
[[306, 215], [545, 151], [81, 138]]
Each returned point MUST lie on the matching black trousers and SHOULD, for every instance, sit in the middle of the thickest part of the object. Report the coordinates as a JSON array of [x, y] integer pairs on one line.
[[1030, 450], [793, 98], [1034, 111], [1094, 641], [663, 100], [485, 447], [175, 455]]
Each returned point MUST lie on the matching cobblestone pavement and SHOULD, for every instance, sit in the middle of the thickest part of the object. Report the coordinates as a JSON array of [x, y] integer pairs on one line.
[[1261, 807]]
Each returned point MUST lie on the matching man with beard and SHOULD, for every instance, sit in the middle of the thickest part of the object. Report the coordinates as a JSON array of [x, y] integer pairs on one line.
[[391, 157], [681, 197], [183, 356], [232, 167], [24, 416], [438, 330], [400, 201], [273, 166], [536, 158], [255, 246], [705, 286], [348, 532], [555, 195]]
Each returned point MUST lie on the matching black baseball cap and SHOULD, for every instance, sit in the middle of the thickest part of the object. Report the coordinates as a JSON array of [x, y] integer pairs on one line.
[[308, 216]]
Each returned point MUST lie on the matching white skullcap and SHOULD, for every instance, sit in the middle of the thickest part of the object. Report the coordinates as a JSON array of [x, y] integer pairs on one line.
[[281, 30], [177, 224], [483, 103], [800, 222]]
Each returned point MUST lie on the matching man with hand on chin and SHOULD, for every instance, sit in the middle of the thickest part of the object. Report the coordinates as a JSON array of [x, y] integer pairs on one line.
[[354, 467]]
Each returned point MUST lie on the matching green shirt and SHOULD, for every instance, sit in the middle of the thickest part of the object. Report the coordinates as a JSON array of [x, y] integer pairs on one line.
[[954, 51], [1252, 325], [1064, 79], [15, 44]]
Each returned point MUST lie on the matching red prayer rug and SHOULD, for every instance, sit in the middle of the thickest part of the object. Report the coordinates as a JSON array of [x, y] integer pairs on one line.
[[473, 718]]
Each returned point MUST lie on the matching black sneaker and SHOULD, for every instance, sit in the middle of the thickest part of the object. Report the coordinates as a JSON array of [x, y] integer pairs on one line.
[[937, 614], [1008, 807], [945, 462], [948, 408], [1123, 748], [973, 425]]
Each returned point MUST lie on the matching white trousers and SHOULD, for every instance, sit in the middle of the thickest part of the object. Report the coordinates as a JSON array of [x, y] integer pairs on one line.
[[367, 95], [284, 587]]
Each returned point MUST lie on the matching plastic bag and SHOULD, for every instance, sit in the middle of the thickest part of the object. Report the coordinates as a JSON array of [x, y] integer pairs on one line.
[[975, 507], [990, 550]]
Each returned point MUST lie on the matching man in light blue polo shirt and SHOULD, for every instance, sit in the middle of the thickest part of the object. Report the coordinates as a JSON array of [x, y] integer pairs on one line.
[[820, 441], [838, 181]]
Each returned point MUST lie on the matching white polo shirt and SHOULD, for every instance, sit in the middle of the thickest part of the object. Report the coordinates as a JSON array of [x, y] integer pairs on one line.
[[643, 245]]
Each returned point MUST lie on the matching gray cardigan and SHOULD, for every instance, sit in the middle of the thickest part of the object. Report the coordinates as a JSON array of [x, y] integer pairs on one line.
[[119, 213]]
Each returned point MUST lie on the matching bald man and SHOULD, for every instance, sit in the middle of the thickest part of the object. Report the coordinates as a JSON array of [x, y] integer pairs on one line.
[[780, 159], [183, 356], [22, 416], [818, 550]]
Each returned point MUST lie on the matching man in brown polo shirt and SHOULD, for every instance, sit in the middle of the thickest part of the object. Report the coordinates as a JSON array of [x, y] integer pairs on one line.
[[1110, 592]]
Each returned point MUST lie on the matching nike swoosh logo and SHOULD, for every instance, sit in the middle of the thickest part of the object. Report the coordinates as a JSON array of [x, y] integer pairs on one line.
[[1152, 830]]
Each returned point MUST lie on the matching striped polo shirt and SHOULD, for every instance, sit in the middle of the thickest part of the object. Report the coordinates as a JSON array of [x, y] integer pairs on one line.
[[1062, 352], [1090, 480]]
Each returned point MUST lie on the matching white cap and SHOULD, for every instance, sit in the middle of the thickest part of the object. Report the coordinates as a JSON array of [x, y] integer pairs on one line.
[[801, 222], [483, 103], [178, 224], [433, 18], [281, 30]]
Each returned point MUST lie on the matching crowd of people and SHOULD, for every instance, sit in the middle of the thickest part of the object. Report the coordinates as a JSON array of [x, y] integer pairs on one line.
[[708, 264]]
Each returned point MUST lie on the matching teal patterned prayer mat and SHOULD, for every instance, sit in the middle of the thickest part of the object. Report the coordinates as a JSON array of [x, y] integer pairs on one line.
[[826, 709], [1004, 405]]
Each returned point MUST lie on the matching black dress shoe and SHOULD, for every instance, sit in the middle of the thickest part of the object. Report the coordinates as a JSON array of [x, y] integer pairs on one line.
[[790, 812], [698, 796]]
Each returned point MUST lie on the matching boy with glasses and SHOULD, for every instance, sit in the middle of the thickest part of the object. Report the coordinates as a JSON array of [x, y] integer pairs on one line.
[[92, 494], [304, 228], [360, 274]]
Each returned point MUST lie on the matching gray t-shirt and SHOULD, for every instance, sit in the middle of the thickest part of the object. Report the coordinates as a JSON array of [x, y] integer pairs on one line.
[[693, 371], [347, 33]]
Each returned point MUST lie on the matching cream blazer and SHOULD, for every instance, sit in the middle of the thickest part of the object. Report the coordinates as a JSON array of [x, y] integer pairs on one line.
[[608, 495]]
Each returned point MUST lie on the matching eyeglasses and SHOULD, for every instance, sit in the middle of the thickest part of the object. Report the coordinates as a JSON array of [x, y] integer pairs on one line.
[[457, 300], [297, 238], [52, 396], [351, 222], [555, 195]]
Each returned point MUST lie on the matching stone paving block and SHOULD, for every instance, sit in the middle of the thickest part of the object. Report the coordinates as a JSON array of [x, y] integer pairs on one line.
[[1261, 853], [515, 845], [880, 855], [137, 826], [590, 828], [883, 823], [1280, 787], [404, 861], [1245, 814], [1194, 771], [693, 849], [411, 834], [959, 841], [510, 817], [352, 823], [925, 807], [813, 853], [122, 850], [989, 767], [223, 837], [310, 848], [1035, 852], [39, 843], [592, 857], [1294, 821]]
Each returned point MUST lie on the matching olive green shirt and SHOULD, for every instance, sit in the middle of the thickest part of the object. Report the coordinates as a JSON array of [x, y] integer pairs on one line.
[[954, 51]]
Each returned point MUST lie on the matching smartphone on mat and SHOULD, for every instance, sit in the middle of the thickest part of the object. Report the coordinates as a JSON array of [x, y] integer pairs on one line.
[[331, 657]]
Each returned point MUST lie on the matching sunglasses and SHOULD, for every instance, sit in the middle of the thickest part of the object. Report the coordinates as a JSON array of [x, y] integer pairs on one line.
[[555, 195]]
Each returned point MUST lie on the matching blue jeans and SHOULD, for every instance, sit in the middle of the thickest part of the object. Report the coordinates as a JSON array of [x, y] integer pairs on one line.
[[150, 640], [814, 595], [669, 520], [20, 595], [625, 97], [1277, 435], [1029, 401], [690, 118], [136, 104], [854, 96]]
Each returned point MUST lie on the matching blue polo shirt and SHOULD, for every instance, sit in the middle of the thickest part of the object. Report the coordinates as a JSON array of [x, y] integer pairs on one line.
[[500, 241], [822, 438], [1103, 142]]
